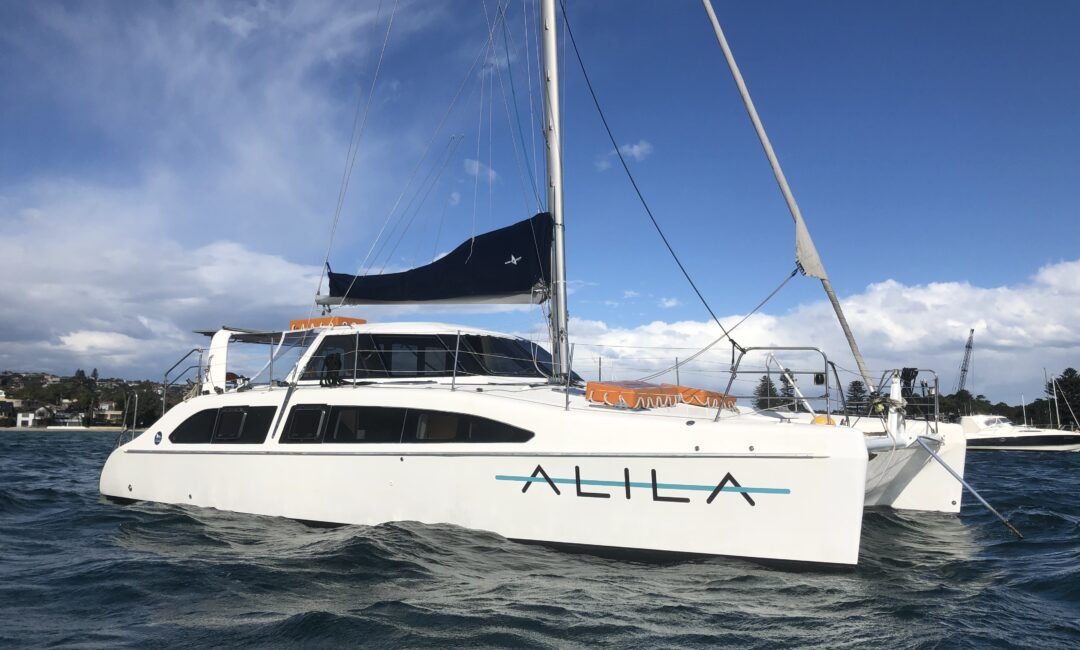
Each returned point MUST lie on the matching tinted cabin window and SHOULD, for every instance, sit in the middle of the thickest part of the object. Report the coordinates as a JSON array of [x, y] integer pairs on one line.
[[243, 425], [257, 425], [504, 357], [365, 424], [416, 356], [304, 425], [485, 430], [438, 426], [333, 361], [196, 429], [230, 422]]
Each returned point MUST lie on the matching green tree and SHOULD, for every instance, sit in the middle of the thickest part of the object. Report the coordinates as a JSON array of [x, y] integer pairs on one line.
[[787, 391], [765, 394], [857, 397]]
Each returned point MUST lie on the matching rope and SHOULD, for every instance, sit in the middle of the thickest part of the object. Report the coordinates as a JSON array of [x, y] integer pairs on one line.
[[727, 333], [517, 116], [432, 182], [468, 74], [354, 142], [630, 176]]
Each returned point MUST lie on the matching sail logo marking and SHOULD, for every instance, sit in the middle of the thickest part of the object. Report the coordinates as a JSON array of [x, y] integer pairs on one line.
[[513, 260], [726, 484]]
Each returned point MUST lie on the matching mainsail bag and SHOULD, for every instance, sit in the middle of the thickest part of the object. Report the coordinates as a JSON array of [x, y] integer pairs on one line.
[[508, 265]]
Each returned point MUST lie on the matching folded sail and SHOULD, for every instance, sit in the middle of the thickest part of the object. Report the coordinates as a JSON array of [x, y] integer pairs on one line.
[[508, 265]]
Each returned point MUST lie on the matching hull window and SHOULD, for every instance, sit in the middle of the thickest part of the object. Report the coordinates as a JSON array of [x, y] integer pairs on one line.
[[197, 429], [305, 424], [245, 425], [311, 424], [234, 425]]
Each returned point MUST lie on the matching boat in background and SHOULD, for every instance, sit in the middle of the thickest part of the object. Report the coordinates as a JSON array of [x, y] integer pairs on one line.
[[997, 432]]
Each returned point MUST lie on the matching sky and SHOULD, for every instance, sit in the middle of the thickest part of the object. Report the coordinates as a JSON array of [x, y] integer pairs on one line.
[[167, 167]]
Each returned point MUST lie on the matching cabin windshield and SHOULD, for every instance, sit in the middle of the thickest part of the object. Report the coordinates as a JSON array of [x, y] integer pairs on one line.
[[343, 358], [277, 364]]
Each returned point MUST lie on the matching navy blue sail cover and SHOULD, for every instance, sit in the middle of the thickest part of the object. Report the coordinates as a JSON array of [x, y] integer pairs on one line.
[[508, 265]]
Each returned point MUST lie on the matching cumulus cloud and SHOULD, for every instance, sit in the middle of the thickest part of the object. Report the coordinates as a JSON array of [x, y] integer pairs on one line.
[[195, 179], [1019, 330], [637, 151], [478, 169], [668, 303], [629, 293]]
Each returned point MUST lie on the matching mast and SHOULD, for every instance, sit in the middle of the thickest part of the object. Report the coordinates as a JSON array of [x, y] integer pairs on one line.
[[805, 252], [560, 344]]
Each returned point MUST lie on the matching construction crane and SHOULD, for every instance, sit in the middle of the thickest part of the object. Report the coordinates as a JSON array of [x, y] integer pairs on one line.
[[967, 362]]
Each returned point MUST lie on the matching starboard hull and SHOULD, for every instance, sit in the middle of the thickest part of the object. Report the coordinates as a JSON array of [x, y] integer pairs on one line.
[[800, 506]]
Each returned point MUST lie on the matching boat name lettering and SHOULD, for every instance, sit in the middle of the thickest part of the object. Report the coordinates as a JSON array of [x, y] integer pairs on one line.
[[660, 491]]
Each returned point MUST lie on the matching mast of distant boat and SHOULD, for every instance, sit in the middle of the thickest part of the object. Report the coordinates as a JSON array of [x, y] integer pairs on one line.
[[560, 344], [805, 252]]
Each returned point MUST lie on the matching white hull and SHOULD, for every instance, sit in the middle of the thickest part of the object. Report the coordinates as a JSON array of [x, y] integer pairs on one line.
[[996, 433], [798, 491]]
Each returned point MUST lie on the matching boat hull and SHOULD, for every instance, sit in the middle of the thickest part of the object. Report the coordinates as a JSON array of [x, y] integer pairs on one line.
[[804, 507], [1040, 442]]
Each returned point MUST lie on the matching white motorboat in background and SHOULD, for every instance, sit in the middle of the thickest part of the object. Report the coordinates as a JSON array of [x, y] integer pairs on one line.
[[997, 432]]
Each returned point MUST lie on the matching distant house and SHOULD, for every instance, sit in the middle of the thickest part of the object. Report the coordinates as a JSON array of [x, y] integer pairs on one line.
[[68, 420], [39, 417]]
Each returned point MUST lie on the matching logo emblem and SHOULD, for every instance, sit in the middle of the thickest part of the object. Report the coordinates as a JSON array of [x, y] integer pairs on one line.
[[513, 260], [157, 438]]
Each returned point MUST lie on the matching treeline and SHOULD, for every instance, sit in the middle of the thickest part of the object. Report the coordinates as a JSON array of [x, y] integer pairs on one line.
[[86, 393], [1041, 412]]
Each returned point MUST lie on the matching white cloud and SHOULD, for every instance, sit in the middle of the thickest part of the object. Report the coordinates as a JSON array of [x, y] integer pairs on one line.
[[455, 198], [476, 168], [668, 303], [1019, 330], [629, 293], [638, 151]]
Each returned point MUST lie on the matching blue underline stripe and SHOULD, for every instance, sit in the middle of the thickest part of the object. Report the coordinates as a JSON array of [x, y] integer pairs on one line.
[[638, 484]]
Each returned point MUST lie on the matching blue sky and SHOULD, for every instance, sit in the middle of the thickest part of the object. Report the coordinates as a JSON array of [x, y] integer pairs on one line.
[[171, 166]]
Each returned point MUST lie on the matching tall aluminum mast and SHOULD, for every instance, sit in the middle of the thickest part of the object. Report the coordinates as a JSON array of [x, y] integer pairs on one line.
[[805, 252], [560, 344]]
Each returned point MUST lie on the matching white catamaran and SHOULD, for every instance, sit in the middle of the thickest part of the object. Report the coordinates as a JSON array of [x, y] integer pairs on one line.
[[442, 423]]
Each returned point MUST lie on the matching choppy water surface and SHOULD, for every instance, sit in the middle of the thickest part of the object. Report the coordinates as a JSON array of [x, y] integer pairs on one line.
[[77, 570]]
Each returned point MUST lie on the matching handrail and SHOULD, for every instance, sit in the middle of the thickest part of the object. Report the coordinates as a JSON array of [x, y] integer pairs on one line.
[[165, 383], [770, 349]]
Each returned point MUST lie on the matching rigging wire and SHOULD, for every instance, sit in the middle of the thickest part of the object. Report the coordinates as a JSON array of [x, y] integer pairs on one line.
[[532, 118], [442, 122], [630, 176], [354, 141], [431, 182], [521, 158], [433, 174], [727, 333]]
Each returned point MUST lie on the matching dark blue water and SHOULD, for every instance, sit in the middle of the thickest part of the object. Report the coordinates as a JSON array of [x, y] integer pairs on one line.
[[76, 570]]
